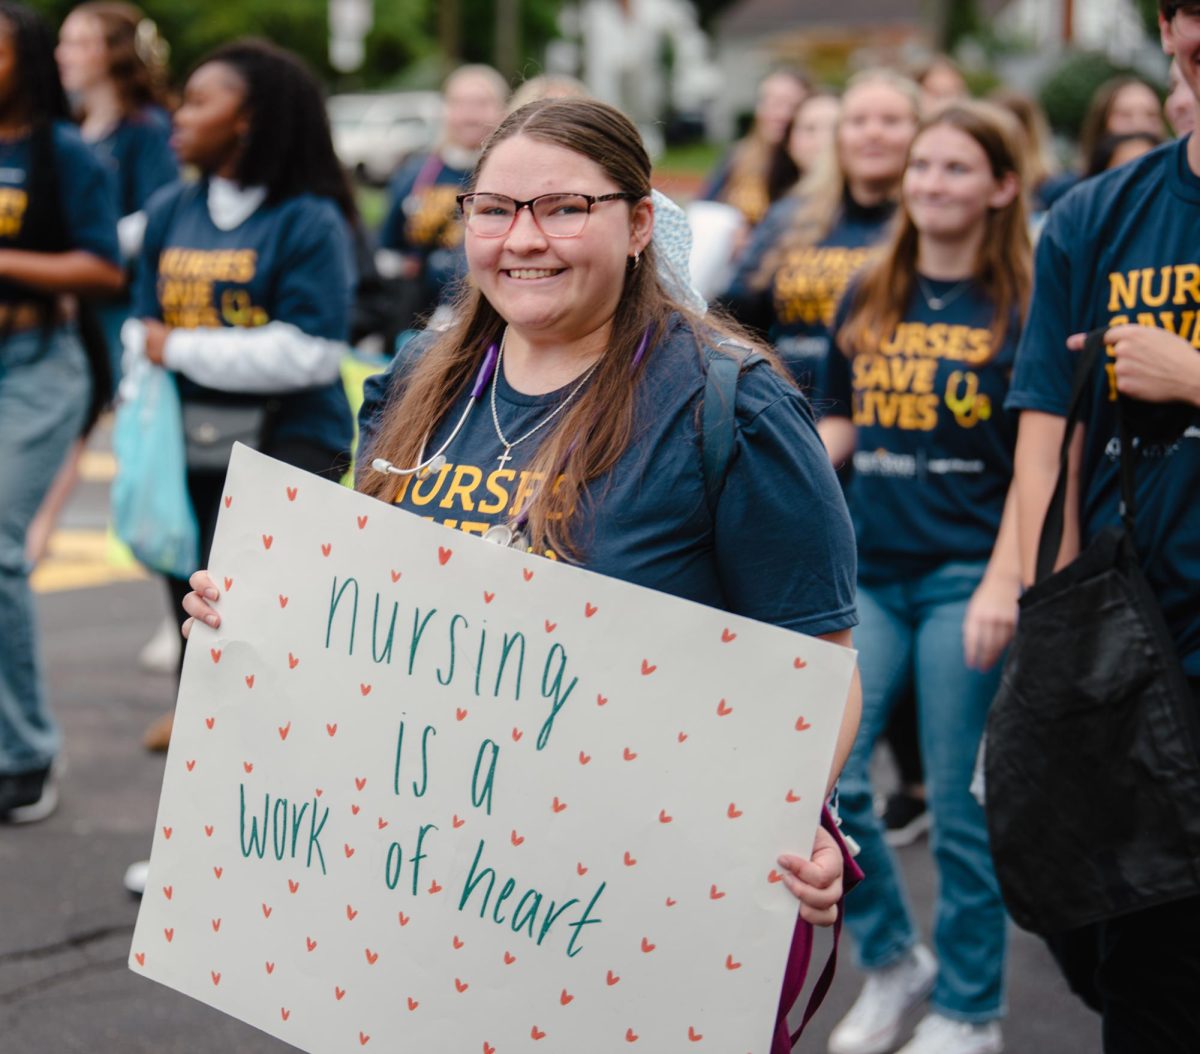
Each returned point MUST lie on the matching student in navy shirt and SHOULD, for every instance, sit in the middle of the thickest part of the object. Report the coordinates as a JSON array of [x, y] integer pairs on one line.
[[802, 256], [597, 386], [244, 280], [421, 224], [58, 238], [923, 347], [1121, 252]]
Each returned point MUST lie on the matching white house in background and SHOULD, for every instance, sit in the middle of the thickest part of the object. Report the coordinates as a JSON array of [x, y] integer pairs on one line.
[[1112, 26]]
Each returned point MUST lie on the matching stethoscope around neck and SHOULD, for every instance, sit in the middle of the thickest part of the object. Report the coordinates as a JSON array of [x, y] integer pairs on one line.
[[511, 534]]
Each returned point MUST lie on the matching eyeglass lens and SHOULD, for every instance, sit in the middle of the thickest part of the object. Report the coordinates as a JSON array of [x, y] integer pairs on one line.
[[558, 215]]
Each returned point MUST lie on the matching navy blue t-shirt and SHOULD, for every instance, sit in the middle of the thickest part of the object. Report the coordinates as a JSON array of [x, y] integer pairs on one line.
[[734, 185], [797, 307], [83, 197], [289, 262], [138, 158], [1124, 247], [934, 455], [423, 219], [780, 549]]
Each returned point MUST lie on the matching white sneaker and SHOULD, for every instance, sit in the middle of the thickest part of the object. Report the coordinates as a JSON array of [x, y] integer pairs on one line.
[[161, 652], [135, 877], [942, 1035], [875, 1020]]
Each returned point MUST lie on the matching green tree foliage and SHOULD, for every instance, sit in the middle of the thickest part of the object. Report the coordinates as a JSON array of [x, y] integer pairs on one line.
[[1065, 95]]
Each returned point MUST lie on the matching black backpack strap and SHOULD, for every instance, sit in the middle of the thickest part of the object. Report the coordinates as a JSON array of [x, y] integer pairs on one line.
[[723, 365]]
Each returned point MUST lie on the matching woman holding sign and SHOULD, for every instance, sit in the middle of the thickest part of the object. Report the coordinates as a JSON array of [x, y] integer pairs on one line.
[[568, 361], [924, 346]]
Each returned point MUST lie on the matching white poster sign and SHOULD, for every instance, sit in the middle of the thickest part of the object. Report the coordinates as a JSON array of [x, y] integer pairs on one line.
[[425, 793]]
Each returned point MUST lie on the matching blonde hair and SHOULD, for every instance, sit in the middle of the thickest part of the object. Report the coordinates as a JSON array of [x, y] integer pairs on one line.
[[823, 190], [1004, 265]]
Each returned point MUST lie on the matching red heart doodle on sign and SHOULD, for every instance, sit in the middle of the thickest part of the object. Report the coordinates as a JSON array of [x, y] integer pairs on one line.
[[557, 805], [456, 822], [228, 500], [310, 943], [509, 958], [209, 722], [733, 812], [728, 635], [444, 554], [774, 876], [267, 539], [283, 730], [293, 886], [339, 993], [612, 978], [664, 817], [348, 849], [517, 839], [208, 830], [601, 700], [228, 584], [537, 1033], [457, 943], [293, 662], [403, 918], [550, 626], [168, 892], [331, 730], [412, 1003], [266, 910], [215, 653], [434, 887], [581, 870], [462, 986], [283, 601], [291, 493], [364, 689], [218, 871], [488, 1048], [682, 737], [731, 964], [318, 792], [799, 664], [629, 860], [167, 831], [169, 934], [362, 522], [517, 734], [693, 1035], [284, 1013], [584, 758], [589, 610], [363, 1039], [351, 912], [141, 958], [647, 668], [248, 767], [671, 902], [630, 1036], [460, 714], [249, 679], [528, 574], [216, 925], [382, 823], [488, 597], [629, 754], [647, 947], [270, 968], [360, 782], [216, 977], [792, 797], [190, 765], [714, 893], [326, 548], [396, 576], [802, 725], [724, 709]]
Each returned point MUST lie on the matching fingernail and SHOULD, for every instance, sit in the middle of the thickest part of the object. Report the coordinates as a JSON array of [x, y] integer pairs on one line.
[[212, 620], [210, 594]]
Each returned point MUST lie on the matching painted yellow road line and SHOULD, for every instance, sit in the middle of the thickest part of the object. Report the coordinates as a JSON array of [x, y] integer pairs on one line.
[[80, 560]]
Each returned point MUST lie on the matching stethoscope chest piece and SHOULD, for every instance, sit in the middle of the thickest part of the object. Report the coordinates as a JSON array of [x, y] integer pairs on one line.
[[504, 534]]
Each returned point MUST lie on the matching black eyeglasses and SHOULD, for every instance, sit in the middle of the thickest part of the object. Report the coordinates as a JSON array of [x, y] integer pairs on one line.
[[557, 215]]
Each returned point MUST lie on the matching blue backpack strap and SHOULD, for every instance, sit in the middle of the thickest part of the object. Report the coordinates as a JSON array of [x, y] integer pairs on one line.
[[718, 413]]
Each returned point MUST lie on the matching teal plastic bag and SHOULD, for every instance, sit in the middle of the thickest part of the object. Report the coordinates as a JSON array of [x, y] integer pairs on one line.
[[152, 512]]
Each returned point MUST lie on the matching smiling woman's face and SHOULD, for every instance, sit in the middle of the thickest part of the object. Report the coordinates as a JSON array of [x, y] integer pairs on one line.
[[555, 289]]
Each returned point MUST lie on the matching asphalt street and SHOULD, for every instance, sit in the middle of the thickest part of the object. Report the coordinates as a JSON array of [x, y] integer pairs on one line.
[[66, 921]]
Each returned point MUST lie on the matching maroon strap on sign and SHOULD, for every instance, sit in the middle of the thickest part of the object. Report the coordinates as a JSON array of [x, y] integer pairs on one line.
[[801, 953]]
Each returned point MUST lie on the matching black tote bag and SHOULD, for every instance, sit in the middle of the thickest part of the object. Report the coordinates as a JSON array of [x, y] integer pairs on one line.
[[1092, 764]]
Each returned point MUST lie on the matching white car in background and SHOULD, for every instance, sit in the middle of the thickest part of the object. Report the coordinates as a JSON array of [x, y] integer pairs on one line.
[[374, 132]]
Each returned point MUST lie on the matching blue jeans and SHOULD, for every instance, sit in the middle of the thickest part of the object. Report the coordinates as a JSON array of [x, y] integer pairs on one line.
[[910, 638], [44, 386]]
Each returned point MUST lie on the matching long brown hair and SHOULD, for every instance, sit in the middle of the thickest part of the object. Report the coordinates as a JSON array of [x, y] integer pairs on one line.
[[137, 55], [1004, 265], [822, 191], [1095, 121], [593, 433]]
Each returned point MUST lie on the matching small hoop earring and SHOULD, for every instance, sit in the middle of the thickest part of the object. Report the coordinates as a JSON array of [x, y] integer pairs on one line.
[[633, 262]]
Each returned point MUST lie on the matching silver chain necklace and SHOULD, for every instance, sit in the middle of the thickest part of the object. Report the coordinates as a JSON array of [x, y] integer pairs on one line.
[[936, 303], [506, 457]]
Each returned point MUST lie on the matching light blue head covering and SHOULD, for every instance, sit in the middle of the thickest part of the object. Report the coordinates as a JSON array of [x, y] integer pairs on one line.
[[673, 246]]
